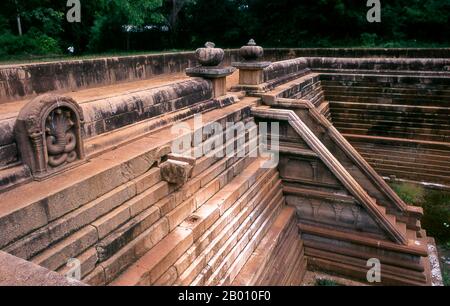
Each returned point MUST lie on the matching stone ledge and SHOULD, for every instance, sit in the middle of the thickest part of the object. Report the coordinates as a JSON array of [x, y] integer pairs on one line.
[[251, 65], [18, 272], [210, 72]]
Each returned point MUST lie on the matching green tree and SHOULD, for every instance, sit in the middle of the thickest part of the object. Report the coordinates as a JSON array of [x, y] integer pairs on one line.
[[115, 18]]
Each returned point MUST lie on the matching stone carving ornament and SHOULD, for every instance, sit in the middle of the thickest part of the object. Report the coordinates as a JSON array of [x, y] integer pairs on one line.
[[251, 52], [48, 134], [210, 55], [60, 137]]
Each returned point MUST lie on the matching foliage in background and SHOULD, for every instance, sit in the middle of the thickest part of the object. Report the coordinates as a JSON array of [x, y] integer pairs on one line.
[[118, 25], [436, 206], [436, 219]]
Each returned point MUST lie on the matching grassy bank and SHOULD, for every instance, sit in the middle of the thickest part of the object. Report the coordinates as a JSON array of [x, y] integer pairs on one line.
[[436, 220]]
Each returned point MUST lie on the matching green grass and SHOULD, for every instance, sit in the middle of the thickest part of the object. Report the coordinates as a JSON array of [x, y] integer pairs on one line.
[[436, 206], [410, 193], [436, 219]]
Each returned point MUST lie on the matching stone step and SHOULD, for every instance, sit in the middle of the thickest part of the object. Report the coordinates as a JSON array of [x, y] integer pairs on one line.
[[173, 209], [59, 254], [38, 240], [370, 97], [440, 162], [217, 268], [290, 88], [260, 260], [396, 134], [419, 88], [412, 175], [195, 259], [386, 110], [389, 107], [399, 144], [207, 192], [434, 83], [387, 90], [108, 222], [393, 117], [383, 150], [87, 260], [432, 169], [411, 234], [109, 245], [378, 126], [359, 122], [149, 268], [216, 154], [402, 227], [89, 181]]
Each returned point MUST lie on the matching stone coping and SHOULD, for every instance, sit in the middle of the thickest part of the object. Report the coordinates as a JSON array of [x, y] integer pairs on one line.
[[210, 72], [251, 65]]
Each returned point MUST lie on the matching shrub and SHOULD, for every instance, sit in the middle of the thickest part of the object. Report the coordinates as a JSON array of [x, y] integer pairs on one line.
[[412, 194], [436, 219], [32, 43], [436, 206]]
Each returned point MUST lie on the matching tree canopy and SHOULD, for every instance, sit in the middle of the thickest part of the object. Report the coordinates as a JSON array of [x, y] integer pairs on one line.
[[117, 25]]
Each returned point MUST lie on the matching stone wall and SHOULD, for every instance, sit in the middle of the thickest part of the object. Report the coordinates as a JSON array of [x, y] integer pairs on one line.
[[108, 114], [285, 70], [27, 80], [278, 54], [425, 66], [394, 111], [398, 122]]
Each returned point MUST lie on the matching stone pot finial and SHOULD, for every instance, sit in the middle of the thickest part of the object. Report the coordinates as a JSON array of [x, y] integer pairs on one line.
[[209, 56], [251, 52]]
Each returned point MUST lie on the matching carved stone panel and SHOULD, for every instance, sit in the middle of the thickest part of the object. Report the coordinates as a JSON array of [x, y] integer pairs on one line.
[[48, 134]]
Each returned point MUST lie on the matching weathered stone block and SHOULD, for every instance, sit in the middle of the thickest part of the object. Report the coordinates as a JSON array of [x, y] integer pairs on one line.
[[111, 221], [96, 277], [88, 261], [148, 198], [126, 233], [176, 172], [57, 255], [132, 251], [152, 265], [147, 180], [180, 213], [168, 278]]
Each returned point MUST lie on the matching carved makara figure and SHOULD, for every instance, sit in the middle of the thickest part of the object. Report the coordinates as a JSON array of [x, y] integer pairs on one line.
[[60, 138]]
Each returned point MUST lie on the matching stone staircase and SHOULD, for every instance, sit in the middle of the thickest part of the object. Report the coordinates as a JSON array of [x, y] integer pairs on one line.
[[344, 174], [116, 211], [205, 244], [276, 260], [400, 124]]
